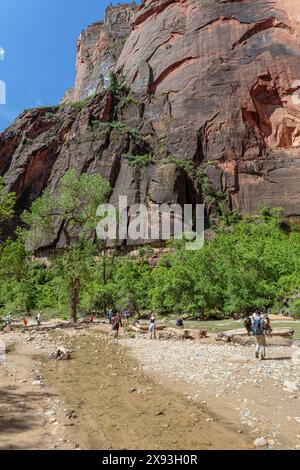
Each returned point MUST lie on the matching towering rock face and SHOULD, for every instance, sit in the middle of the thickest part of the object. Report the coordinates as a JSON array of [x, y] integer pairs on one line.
[[222, 77], [211, 82], [98, 49]]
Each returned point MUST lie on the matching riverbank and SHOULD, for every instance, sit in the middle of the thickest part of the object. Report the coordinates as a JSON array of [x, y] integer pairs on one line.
[[261, 398]]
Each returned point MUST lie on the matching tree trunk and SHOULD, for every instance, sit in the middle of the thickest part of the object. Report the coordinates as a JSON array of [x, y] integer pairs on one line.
[[74, 300]]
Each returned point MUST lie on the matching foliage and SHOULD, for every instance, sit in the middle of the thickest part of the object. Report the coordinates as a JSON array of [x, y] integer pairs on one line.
[[117, 88], [140, 161], [7, 203], [254, 262], [186, 165], [79, 105], [74, 207]]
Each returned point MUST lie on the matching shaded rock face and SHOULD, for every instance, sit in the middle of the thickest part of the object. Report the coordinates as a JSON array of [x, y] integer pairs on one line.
[[214, 83], [227, 73], [37, 150], [98, 49]]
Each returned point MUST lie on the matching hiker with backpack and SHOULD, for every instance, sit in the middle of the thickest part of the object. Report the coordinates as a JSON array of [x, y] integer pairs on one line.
[[8, 322], [258, 331], [38, 319], [110, 315], [152, 327]]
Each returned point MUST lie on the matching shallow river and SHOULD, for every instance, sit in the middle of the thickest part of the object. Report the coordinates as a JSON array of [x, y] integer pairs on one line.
[[118, 407]]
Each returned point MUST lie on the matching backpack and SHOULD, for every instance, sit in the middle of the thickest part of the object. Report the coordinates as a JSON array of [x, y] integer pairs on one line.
[[257, 327], [248, 323]]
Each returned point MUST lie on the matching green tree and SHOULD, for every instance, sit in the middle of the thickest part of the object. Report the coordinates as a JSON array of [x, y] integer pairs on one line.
[[254, 262], [132, 284], [7, 203], [72, 212]]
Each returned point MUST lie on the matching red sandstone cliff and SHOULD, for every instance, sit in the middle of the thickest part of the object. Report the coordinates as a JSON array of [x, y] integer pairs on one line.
[[210, 82], [98, 49], [223, 75]]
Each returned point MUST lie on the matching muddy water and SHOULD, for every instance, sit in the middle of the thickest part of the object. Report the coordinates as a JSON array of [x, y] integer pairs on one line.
[[118, 407]]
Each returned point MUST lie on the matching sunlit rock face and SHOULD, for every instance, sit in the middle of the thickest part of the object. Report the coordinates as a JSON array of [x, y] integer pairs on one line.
[[98, 49], [223, 78]]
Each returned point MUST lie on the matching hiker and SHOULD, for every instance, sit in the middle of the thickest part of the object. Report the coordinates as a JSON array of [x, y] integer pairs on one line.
[[25, 323], [110, 315], [179, 323], [248, 324], [38, 318], [116, 324], [267, 325], [8, 320], [259, 335], [152, 327], [126, 315], [91, 317]]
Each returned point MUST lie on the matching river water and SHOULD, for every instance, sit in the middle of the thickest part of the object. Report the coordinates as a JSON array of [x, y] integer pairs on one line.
[[118, 407]]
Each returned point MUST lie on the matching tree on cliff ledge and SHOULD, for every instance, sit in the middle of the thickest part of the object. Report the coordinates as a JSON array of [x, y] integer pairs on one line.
[[72, 213], [7, 203]]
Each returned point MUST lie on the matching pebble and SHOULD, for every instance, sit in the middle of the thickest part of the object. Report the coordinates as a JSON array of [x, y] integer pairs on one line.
[[290, 386], [260, 442], [50, 413]]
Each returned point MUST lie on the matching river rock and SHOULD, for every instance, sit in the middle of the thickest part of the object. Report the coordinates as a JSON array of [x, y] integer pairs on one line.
[[260, 442], [290, 386], [50, 413]]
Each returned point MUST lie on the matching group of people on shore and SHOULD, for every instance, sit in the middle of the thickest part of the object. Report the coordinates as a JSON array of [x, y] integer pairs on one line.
[[257, 325], [117, 321], [9, 320]]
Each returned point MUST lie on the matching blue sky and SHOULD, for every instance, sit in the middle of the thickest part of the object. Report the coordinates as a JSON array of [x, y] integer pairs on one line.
[[39, 38]]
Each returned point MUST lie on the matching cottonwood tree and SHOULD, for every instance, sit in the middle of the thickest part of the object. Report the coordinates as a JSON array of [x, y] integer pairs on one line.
[[71, 212]]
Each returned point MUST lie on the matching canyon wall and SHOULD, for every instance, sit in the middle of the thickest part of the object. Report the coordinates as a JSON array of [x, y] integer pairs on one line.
[[223, 77], [210, 82], [98, 49]]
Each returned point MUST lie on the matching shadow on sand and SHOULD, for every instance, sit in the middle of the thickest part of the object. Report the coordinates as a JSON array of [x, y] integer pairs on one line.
[[17, 412], [287, 358]]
